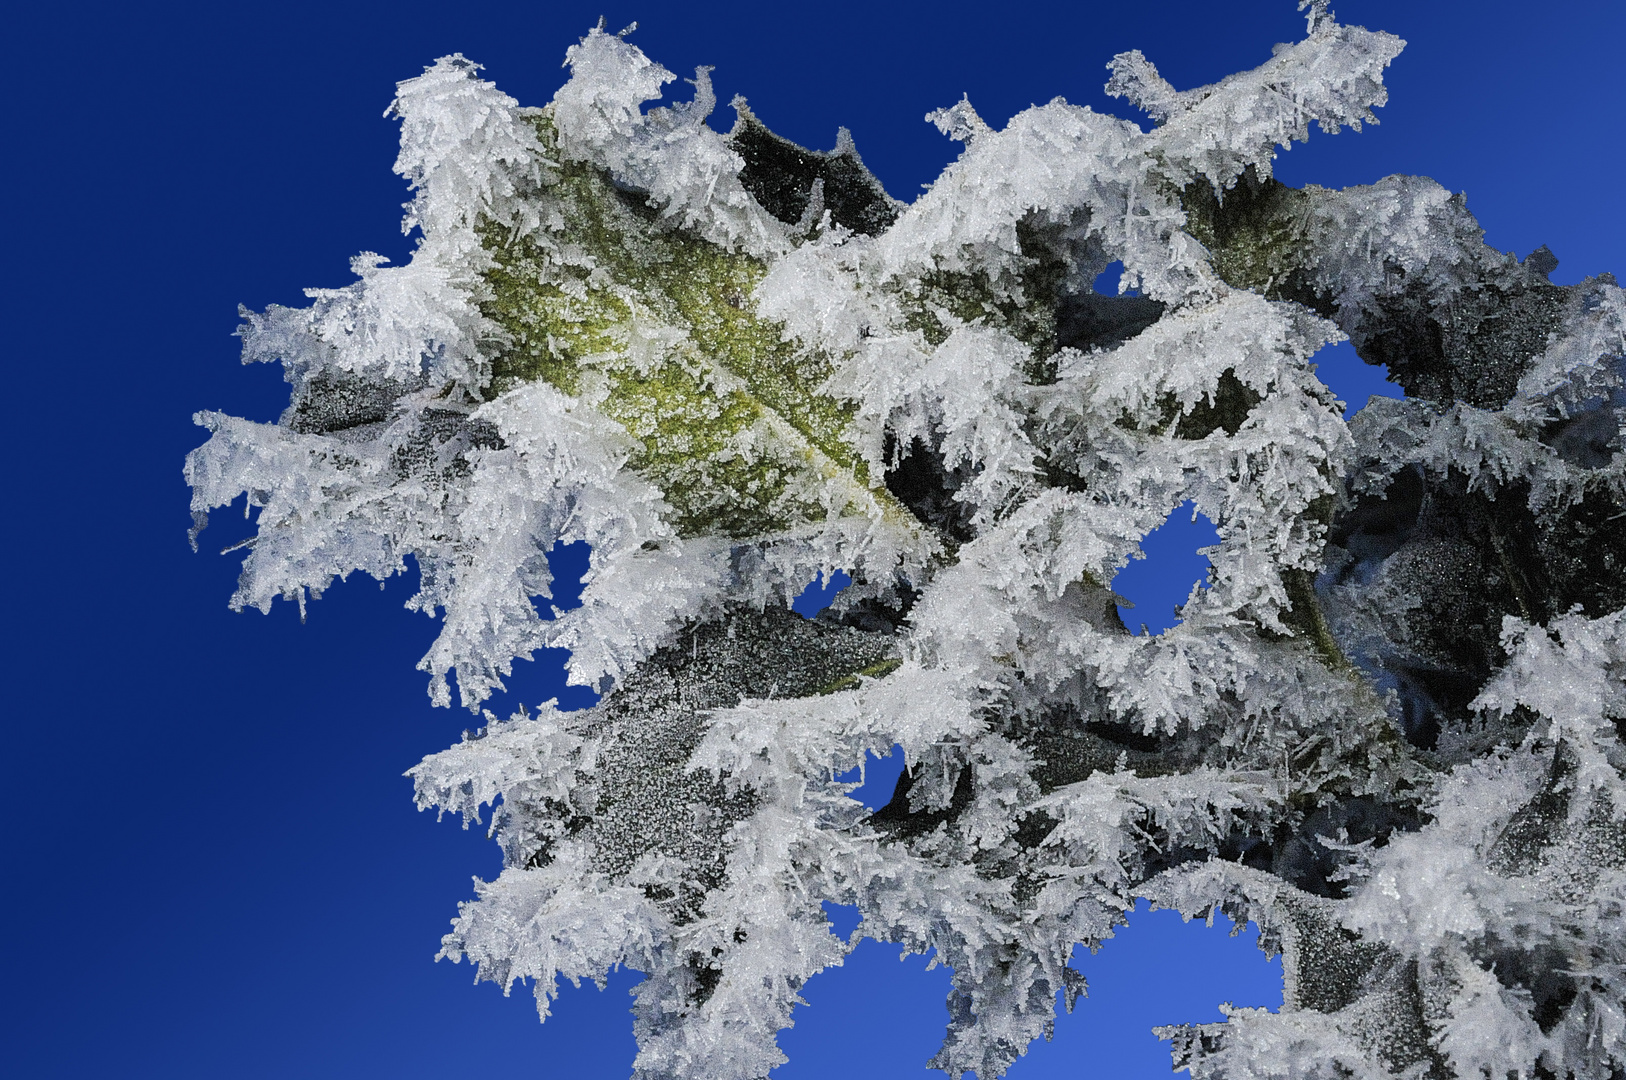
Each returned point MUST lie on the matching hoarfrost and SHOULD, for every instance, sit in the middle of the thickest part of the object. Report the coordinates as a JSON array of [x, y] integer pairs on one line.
[[1387, 729]]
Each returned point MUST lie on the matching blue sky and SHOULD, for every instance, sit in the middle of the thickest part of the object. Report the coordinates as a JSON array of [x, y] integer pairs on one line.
[[212, 863]]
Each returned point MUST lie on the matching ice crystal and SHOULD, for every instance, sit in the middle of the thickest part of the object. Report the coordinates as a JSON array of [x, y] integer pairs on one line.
[[1387, 730]]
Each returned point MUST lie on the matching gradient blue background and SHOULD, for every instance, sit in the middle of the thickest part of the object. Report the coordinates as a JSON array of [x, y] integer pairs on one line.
[[211, 863]]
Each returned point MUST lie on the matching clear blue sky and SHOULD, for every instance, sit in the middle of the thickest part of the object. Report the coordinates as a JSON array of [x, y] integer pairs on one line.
[[212, 866]]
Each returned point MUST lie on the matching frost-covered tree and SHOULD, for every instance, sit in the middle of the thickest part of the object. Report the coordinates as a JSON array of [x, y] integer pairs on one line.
[[1387, 730]]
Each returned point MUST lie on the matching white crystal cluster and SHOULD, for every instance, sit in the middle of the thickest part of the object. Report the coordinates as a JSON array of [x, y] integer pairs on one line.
[[690, 826]]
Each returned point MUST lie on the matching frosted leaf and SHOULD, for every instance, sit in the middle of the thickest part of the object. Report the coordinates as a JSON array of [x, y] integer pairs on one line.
[[1056, 164], [1334, 77], [1386, 729], [765, 935], [1410, 224], [553, 922], [283, 473], [686, 169], [570, 781], [1491, 1031], [760, 744], [526, 758], [556, 477], [1520, 864], [1572, 672], [1581, 365], [964, 382], [1255, 1044], [1489, 448], [1102, 819], [465, 150], [400, 323]]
